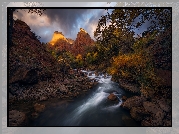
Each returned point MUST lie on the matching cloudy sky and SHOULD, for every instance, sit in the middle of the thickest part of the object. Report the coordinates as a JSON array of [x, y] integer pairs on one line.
[[67, 21]]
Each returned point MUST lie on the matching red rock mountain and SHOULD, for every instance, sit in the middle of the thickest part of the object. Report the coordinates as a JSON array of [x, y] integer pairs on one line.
[[60, 42], [29, 61], [83, 39]]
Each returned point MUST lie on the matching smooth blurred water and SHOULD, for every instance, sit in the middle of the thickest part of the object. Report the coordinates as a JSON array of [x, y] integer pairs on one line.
[[93, 109]]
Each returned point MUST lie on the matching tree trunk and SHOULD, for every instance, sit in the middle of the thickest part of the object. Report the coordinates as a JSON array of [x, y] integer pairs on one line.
[[10, 26]]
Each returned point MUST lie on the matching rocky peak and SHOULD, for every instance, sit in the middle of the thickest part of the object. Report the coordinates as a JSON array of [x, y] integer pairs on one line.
[[83, 39], [82, 30], [60, 42], [56, 36]]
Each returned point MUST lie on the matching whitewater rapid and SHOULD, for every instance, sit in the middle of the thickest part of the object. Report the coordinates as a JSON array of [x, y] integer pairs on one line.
[[92, 109]]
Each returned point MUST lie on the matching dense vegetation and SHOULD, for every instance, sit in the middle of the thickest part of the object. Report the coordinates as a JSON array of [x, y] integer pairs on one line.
[[124, 55]]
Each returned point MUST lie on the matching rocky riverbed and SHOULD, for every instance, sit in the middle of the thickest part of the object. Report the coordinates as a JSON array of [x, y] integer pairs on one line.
[[33, 95], [150, 108]]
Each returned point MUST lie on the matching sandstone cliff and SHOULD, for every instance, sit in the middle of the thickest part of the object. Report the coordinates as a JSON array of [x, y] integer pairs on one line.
[[60, 43], [56, 36], [83, 39]]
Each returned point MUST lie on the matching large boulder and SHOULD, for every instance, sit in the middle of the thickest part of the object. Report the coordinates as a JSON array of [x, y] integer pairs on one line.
[[124, 98], [151, 122], [137, 113], [151, 107], [112, 97], [39, 107], [147, 92], [16, 118], [129, 87], [134, 101], [154, 120], [157, 114], [163, 105]]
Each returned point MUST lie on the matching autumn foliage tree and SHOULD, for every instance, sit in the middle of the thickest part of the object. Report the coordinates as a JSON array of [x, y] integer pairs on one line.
[[131, 58]]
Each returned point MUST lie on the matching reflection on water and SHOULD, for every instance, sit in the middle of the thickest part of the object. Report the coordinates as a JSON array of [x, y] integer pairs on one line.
[[93, 109]]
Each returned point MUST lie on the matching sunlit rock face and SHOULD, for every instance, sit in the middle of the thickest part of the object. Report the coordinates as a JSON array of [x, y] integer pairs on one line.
[[56, 36], [82, 30], [83, 39], [60, 42]]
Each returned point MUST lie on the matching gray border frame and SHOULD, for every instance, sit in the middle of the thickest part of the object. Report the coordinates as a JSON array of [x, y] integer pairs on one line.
[[100, 130]]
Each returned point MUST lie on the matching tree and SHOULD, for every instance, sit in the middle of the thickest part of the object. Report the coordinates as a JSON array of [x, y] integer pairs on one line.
[[118, 27], [115, 31]]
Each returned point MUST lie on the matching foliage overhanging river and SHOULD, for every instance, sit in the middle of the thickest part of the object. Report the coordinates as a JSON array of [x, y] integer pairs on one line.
[[92, 109]]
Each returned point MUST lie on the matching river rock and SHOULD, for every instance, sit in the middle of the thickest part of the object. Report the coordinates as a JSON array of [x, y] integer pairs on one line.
[[134, 101], [90, 74], [124, 98], [167, 123], [150, 122], [34, 115], [129, 87], [134, 114], [147, 92], [151, 107], [159, 116], [16, 118], [39, 107], [138, 112], [163, 105], [146, 123], [112, 97], [43, 98], [155, 122]]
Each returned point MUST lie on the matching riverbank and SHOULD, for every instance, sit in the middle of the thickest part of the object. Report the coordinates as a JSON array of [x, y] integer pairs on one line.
[[27, 103], [150, 107], [95, 108]]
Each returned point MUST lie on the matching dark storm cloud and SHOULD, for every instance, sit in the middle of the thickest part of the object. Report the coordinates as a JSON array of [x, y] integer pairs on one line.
[[66, 19], [93, 21]]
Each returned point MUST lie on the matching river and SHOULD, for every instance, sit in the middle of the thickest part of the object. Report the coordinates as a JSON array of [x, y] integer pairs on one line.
[[92, 109]]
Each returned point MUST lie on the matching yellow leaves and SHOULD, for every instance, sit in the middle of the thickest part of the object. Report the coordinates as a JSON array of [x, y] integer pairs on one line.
[[125, 73], [95, 55], [130, 60], [88, 54], [112, 71], [117, 32], [79, 57]]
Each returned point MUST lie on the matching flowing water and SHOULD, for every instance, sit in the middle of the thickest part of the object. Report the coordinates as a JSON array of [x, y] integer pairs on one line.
[[92, 109]]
